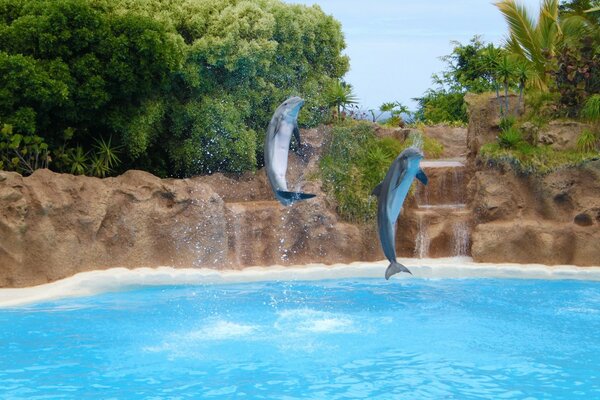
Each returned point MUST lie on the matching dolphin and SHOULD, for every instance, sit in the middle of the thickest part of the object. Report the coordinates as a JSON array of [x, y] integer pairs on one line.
[[277, 143], [391, 193]]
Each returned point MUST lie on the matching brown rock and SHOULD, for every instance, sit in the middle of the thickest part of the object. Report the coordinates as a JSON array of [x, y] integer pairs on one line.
[[528, 241], [561, 135], [454, 139], [55, 225]]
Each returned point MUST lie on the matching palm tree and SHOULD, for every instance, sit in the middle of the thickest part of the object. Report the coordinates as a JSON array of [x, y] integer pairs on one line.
[[522, 74], [505, 70], [533, 41], [339, 95], [489, 66]]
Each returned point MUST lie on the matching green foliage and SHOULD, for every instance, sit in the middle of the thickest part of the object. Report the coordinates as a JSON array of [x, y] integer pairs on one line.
[[355, 161], [533, 41], [353, 164], [528, 159], [181, 87], [507, 122], [587, 142], [396, 109], [470, 67], [339, 95], [510, 138], [78, 159], [591, 110], [439, 106], [22, 153]]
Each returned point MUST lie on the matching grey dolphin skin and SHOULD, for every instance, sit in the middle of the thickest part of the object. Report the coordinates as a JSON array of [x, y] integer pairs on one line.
[[283, 125], [391, 193]]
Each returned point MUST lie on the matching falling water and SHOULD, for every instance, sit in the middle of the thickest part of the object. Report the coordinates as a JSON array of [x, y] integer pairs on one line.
[[422, 241], [461, 239]]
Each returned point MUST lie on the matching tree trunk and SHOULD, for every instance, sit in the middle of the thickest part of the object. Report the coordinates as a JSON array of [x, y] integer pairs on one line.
[[498, 97], [506, 96], [520, 97]]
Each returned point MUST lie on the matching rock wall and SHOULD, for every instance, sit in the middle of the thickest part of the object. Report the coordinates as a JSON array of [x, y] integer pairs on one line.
[[55, 225], [548, 219]]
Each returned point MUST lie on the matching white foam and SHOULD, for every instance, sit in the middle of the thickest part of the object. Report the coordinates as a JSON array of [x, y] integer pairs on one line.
[[314, 321], [220, 330], [114, 279]]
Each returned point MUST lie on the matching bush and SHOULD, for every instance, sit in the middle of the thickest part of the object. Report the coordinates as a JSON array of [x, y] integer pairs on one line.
[[587, 141], [355, 161], [591, 109], [510, 138], [181, 87]]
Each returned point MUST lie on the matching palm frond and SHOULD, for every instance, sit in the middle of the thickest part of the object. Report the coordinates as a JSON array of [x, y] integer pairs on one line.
[[521, 27], [547, 27]]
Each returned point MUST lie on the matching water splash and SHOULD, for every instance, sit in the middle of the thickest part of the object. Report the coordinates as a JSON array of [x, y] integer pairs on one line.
[[416, 140]]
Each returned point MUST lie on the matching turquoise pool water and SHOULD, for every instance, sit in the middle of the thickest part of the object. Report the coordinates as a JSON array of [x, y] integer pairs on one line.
[[352, 338]]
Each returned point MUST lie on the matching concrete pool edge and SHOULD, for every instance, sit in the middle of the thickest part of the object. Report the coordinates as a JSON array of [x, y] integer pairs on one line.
[[113, 279]]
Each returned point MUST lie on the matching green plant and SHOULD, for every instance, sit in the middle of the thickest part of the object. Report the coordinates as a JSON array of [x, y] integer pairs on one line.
[[587, 141], [22, 153], [396, 109], [591, 109], [104, 159], [180, 95], [505, 71], [534, 42], [510, 138], [528, 159], [507, 122], [339, 95], [78, 160]]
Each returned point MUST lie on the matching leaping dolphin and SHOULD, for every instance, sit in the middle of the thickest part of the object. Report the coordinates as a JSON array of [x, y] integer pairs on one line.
[[277, 143], [391, 193]]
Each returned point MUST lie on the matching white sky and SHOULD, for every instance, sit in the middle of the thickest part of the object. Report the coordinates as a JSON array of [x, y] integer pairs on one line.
[[395, 45]]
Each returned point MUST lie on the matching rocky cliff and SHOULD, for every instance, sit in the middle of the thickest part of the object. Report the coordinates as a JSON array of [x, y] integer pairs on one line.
[[54, 225], [548, 219]]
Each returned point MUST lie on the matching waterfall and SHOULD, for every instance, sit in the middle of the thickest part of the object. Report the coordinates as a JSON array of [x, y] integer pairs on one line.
[[422, 241], [461, 238], [442, 219]]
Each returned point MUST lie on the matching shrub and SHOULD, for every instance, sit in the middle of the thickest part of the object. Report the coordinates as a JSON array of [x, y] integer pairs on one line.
[[591, 109], [510, 138], [587, 141]]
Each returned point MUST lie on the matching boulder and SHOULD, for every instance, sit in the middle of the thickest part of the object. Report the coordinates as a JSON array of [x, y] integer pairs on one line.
[[561, 135]]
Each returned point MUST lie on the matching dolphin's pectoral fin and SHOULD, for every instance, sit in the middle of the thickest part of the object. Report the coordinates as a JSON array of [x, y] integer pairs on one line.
[[295, 196], [377, 190], [277, 125], [394, 268], [422, 177], [296, 133]]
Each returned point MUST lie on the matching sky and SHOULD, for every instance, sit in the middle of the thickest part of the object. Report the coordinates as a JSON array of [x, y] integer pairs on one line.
[[394, 45]]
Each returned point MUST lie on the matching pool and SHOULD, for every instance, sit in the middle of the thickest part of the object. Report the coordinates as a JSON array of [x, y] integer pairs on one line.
[[326, 339]]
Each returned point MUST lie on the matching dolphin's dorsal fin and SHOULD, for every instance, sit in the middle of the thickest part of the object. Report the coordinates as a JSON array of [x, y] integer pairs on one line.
[[422, 177], [377, 190]]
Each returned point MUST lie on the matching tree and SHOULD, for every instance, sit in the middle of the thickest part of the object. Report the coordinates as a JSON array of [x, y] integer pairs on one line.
[[470, 67], [535, 42], [182, 87], [339, 95]]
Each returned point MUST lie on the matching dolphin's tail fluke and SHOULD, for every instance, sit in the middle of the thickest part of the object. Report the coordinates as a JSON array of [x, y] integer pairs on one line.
[[293, 197], [394, 268]]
